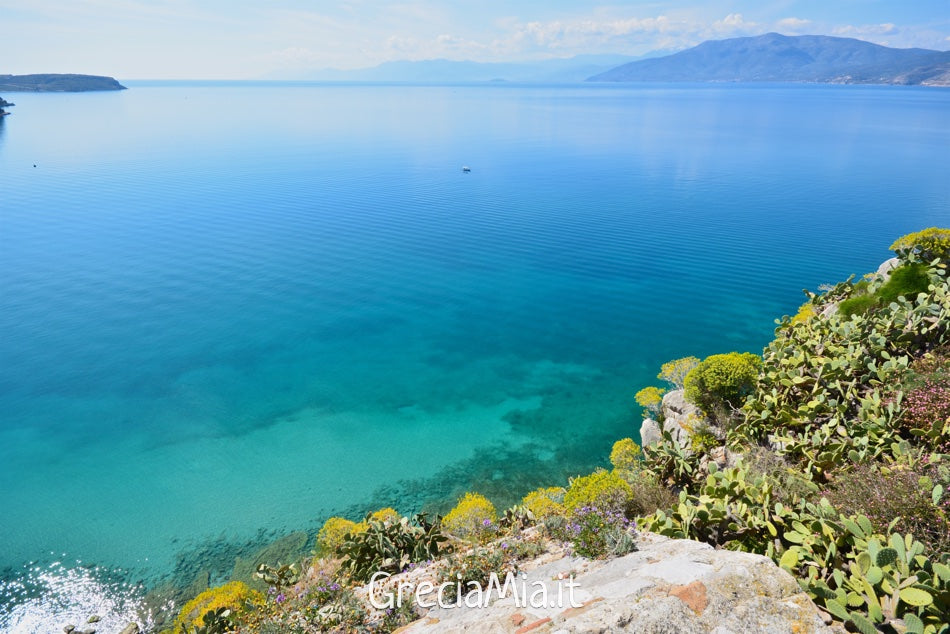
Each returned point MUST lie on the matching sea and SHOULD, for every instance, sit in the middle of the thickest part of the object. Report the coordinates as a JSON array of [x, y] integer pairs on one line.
[[230, 310]]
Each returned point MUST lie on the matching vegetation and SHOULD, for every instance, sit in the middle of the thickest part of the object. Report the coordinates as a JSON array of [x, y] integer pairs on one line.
[[650, 399], [390, 546], [675, 372], [599, 533], [223, 603], [333, 534], [838, 469], [721, 382], [602, 489], [545, 502], [473, 518], [925, 245]]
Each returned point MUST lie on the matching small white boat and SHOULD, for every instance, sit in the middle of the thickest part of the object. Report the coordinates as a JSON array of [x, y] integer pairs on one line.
[[466, 168]]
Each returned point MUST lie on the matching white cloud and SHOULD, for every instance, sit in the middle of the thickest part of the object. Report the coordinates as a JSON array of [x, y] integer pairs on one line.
[[850, 30], [794, 25]]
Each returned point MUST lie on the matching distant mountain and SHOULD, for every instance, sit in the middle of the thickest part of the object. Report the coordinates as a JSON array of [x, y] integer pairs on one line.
[[781, 58], [57, 83], [574, 69]]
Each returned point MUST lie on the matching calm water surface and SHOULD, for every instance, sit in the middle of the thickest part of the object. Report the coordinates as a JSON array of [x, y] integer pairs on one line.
[[229, 310]]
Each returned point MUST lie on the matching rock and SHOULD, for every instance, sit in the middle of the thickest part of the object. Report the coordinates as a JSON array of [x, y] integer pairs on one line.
[[680, 416], [693, 595], [650, 432], [95, 618], [666, 586], [69, 628], [887, 266], [829, 310], [131, 628]]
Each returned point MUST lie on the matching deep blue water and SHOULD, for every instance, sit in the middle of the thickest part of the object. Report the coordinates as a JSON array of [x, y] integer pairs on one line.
[[227, 308]]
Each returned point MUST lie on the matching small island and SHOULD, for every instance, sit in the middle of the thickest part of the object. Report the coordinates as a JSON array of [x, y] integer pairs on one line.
[[57, 83], [4, 104]]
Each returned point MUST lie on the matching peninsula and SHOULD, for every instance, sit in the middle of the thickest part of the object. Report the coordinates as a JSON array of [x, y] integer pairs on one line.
[[4, 104], [780, 58], [57, 83]]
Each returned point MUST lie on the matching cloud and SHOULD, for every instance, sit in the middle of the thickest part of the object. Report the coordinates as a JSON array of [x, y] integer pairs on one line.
[[794, 25], [850, 30]]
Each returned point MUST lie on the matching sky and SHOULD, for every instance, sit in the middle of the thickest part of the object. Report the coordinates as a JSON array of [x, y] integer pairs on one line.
[[246, 39]]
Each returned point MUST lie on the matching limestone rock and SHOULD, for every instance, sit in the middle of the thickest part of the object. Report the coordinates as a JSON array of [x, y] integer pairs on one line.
[[680, 416], [666, 586], [650, 432], [887, 266]]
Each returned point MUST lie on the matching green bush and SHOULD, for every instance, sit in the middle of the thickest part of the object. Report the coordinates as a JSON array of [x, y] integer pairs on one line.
[[390, 546], [722, 380], [907, 281], [860, 305], [603, 489]]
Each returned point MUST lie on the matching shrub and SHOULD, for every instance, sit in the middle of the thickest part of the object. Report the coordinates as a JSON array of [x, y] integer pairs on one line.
[[649, 494], [702, 438], [473, 518], [927, 244], [860, 305], [907, 281], [602, 489], [385, 515], [926, 409], [789, 486], [234, 596], [723, 380], [625, 455], [477, 565], [598, 533], [545, 502], [650, 398], [805, 312], [390, 547], [675, 371], [904, 495], [333, 532]]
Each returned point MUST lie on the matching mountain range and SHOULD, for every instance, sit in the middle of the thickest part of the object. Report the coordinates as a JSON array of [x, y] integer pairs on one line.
[[573, 69], [781, 58]]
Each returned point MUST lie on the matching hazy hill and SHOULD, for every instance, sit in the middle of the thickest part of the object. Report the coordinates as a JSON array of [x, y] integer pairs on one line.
[[572, 69], [57, 83], [805, 58]]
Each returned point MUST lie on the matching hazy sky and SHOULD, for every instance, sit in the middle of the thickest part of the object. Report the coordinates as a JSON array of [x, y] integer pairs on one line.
[[241, 39]]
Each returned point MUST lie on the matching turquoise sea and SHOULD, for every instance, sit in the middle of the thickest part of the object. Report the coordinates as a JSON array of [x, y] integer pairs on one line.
[[228, 310]]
